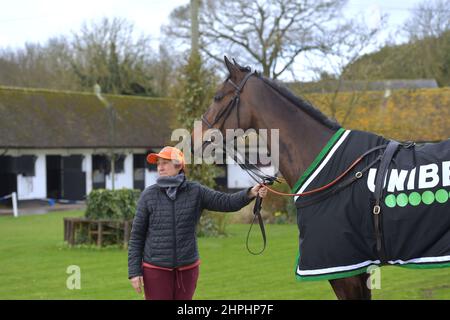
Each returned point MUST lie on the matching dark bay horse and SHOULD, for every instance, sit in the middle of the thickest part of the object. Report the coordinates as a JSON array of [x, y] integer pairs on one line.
[[303, 133]]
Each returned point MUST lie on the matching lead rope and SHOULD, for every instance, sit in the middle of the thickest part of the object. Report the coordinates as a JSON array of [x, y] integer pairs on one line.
[[258, 202], [257, 214]]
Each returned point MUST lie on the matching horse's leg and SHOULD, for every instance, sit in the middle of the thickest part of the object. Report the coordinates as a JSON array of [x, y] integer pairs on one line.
[[353, 288]]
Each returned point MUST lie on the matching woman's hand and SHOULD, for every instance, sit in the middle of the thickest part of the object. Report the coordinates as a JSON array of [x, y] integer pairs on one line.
[[137, 283], [258, 189]]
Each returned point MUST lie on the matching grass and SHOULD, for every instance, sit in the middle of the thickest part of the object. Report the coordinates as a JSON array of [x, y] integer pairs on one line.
[[34, 260]]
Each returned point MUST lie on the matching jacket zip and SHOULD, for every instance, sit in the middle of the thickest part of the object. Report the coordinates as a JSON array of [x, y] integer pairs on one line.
[[174, 235]]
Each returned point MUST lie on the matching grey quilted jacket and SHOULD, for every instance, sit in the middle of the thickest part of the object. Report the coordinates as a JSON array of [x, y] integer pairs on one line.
[[163, 231]]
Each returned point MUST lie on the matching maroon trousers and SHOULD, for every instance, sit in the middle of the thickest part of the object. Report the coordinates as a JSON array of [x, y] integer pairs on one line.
[[165, 284]]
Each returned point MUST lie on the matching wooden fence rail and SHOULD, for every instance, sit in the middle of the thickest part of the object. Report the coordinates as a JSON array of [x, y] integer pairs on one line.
[[97, 229]]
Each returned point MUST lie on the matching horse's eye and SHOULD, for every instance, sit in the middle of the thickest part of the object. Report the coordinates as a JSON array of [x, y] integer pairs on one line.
[[218, 97]]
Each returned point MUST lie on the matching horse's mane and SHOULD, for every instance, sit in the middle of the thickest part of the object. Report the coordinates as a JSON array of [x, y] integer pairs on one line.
[[301, 103]]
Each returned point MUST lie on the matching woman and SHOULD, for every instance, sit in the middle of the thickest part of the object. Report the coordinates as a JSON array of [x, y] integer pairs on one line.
[[163, 255]]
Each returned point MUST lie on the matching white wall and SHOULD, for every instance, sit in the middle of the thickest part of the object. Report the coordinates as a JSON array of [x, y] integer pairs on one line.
[[36, 187], [86, 167], [150, 177], [33, 187], [237, 178]]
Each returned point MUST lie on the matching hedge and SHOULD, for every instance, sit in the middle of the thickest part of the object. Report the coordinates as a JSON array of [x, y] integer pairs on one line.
[[112, 204]]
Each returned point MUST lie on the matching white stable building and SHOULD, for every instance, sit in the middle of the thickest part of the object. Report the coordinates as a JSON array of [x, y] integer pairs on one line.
[[57, 145]]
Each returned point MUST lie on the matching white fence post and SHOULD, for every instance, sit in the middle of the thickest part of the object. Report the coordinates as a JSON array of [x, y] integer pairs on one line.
[[14, 203]]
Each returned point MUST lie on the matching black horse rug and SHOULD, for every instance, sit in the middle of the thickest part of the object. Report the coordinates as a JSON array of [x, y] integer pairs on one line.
[[337, 233]]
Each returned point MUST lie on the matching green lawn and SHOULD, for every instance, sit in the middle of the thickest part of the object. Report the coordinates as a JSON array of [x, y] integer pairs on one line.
[[34, 260]]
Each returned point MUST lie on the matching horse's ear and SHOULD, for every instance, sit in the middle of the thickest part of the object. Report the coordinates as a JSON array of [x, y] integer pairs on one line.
[[230, 66], [238, 65]]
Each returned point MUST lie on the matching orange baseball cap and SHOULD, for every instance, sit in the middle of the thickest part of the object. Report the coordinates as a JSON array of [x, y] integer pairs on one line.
[[169, 153]]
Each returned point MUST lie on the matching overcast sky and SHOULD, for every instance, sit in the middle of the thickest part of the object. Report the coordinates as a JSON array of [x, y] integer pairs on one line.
[[24, 21], [38, 20]]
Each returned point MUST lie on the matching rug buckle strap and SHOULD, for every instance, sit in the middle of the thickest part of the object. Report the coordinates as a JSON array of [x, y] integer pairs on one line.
[[386, 159], [376, 209]]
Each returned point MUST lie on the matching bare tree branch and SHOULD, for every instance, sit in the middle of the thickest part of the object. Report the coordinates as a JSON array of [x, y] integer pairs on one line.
[[269, 33]]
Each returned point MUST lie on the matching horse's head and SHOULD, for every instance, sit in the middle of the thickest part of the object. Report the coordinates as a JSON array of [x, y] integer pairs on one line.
[[230, 108]]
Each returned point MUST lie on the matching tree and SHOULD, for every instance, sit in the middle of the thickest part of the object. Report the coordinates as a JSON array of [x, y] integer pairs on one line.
[[271, 34], [430, 18], [106, 53], [194, 93], [163, 69], [429, 35], [426, 54], [39, 66]]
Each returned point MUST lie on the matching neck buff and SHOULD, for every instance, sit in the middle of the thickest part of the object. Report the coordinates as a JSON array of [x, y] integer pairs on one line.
[[171, 184]]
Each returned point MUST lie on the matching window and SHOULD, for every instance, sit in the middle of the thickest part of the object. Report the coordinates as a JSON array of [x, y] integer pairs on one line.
[[103, 164], [24, 165]]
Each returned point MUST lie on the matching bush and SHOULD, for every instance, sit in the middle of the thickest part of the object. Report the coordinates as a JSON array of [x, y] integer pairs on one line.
[[112, 204], [212, 224]]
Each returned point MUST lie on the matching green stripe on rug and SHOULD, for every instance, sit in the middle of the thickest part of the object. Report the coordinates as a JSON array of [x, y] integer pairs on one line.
[[329, 276], [336, 275], [318, 159], [424, 265]]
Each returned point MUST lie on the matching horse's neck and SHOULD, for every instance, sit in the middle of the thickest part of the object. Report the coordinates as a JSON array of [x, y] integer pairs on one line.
[[301, 138]]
